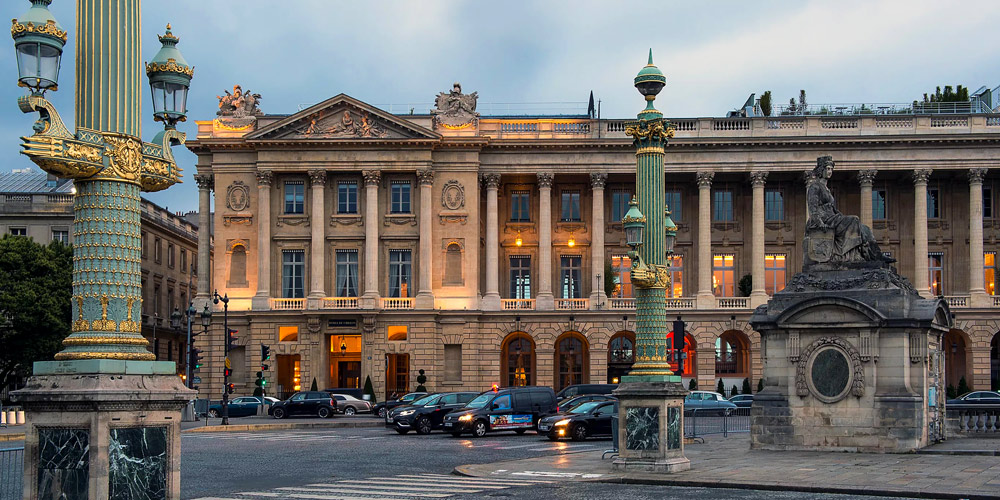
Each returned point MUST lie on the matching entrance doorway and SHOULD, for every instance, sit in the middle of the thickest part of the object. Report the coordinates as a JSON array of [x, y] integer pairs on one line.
[[348, 374], [397, 374], [345, 361], [621, 355], [289, 374]]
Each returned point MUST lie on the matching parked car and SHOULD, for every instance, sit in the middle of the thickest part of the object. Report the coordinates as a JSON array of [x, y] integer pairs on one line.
[[350, 405], [707, 402], [976, 398], [512, 408], [240, 407], [742, 400], [592, 418], [427, 413], [348, 391], [380, 409], [316, 403], [567, 404], [578, 389]]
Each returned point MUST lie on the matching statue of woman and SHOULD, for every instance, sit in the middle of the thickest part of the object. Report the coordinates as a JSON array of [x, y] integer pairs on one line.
[[852, 240]]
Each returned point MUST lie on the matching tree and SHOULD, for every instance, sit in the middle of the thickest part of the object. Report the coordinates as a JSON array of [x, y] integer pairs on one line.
[[765, 103], [36, 285], [963, 386], [609, 279], [760, 384], [746, 386], [369, 389], [720, 388], [950, 393], [693, 385], [736, 391], [421, 378], [314, 387], [746, 285]]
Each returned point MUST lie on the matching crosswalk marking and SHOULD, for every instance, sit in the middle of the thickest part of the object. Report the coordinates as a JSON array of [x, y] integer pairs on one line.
[[340, 488], [407, 483]]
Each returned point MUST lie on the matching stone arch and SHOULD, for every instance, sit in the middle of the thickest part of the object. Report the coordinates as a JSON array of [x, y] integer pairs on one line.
[[571, 360], [518, 360], [957, 349], [237, 264], [689, 354], [995, 361], [733, 359]]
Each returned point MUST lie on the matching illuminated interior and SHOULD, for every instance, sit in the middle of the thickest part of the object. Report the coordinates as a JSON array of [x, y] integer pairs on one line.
[[724, 275], [288, 333], [397, 332]]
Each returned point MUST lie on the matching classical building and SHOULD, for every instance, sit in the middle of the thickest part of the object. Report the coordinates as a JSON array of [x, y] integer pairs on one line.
[[40, 206], [359, 243]]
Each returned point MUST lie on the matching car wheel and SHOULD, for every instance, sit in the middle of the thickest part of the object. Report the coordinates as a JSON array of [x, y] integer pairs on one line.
[[520, 431], [323, 412], [456, 434], [350, 410], [424, 425], [213, 413], [381, 412], [278, 413], [479, 429], [402, 431], [579, 432]]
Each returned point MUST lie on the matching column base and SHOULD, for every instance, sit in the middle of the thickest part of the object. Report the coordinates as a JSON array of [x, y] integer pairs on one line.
[[260, 303], [424, 300], [545, 302], [980, 299], [705, 300], [651, 425], [490, 302], [664, 466], [314, 302], [368, 301], [758, 298]]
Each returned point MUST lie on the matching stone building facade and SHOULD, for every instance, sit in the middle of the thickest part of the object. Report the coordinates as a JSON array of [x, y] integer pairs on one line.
[[358, 243]]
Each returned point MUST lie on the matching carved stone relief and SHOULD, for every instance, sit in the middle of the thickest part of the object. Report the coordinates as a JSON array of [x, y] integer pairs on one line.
[[238, 196], [453, 195]]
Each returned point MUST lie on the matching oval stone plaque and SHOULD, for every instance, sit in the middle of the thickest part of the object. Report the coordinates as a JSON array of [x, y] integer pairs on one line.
[[831, 373]]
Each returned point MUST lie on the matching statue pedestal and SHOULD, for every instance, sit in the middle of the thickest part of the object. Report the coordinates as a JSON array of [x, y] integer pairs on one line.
[[651, 425], [103, 429]]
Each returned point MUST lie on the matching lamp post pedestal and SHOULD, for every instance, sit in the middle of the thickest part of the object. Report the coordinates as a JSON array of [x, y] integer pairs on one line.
[[651, 425]]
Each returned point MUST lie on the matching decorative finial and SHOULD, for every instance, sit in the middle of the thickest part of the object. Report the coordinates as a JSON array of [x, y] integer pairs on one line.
[[650, 63], [650, 50]]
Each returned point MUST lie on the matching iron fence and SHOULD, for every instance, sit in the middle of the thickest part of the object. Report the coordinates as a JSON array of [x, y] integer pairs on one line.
[[11, 473], [705, 421]]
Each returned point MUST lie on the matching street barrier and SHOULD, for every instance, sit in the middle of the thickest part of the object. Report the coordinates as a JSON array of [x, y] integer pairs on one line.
[[702, 422], [11, 473], [614, 438]]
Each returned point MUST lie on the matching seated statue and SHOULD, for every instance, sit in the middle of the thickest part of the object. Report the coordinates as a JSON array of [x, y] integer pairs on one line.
[[832, 237]]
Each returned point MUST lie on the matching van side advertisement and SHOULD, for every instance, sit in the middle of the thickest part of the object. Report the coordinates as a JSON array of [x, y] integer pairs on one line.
[[510, 421]]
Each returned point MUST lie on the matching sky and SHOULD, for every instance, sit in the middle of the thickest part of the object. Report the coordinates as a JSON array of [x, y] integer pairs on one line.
[[713, 53]]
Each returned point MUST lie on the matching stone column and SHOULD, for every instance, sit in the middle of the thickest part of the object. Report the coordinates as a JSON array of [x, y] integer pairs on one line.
[[977, 289], [425, 288], [544, 301], [597, 296], [865, 178], [317, 250], [369, 300], [705, 298], [491, 299], [206, 183], [920, 278], [262, 300], [758, 294]]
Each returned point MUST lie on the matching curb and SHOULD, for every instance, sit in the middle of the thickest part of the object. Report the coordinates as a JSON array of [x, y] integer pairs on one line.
[[11, 437], [980, 453], [286, 426]]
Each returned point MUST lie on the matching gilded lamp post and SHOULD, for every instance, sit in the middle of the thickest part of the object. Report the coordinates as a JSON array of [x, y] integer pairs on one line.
[[651, 397]]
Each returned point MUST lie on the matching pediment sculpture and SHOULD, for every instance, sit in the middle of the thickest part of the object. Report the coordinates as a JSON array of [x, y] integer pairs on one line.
[[455, 109], [238, 108], [343, 123]]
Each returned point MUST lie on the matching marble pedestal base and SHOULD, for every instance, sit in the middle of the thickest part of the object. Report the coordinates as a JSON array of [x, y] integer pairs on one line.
[[103, 429], [651, 425]]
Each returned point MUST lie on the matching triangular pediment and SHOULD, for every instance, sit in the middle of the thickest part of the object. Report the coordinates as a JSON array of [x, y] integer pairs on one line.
[[342, 117]]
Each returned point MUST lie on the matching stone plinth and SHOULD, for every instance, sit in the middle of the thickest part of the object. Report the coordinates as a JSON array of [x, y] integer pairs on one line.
[[651, 426], [103, 429], [852, 362]]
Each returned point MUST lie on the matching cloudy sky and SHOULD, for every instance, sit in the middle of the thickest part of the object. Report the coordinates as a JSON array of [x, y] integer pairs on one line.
[[714, 54]]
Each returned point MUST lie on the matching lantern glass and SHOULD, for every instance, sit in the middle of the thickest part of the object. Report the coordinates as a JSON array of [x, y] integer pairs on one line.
[[38, 65], [670, 239], [169, 99], [206, 317], [633, 233]]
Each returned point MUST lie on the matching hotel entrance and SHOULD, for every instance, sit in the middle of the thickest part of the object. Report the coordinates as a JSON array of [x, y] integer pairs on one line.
[[345, 361]]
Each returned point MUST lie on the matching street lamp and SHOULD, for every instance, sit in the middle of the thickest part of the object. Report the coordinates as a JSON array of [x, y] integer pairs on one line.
[[226, 340], [169, 80], [671, 235], [39, 41], [634, 224]]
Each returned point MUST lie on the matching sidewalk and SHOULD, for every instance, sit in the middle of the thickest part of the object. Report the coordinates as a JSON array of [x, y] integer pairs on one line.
[[12, 433], [729, 463]]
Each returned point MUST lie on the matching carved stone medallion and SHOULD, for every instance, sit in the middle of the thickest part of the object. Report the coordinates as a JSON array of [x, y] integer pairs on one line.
[[238, 196], [830, 369], [453, 195]]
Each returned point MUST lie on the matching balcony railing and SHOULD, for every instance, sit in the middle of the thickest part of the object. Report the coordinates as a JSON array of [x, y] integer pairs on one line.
[[732, 302], [616, 303], [394, 303], [957, 300], [517, 304], [572, 304], [680, 303], [288, 304], [996, 301], [340, 303]]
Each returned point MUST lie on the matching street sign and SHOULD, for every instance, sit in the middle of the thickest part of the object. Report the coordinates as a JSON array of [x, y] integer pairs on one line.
[[196, 380], [229, 366]]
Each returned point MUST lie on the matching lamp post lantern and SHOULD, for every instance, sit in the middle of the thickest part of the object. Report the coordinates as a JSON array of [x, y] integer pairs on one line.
[[651, 397]]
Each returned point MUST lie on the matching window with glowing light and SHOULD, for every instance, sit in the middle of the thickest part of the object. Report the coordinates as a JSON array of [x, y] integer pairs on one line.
[[397, 332], [990, 272], [622, 267], [288, 333], [571, 353], [774, 273], [518, 360], [676, 263], [935, 267], [724, 275]]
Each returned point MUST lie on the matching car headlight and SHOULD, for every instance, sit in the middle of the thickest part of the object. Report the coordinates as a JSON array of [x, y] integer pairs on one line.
[[406, 412], [564, 421], [465, 418]]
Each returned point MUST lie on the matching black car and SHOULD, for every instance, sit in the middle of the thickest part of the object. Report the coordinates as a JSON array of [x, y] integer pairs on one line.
[[578, 389], [381, 409], [588, 419], [427, 413], [567, 404], [316, 403], [510, 409], [976, 398]]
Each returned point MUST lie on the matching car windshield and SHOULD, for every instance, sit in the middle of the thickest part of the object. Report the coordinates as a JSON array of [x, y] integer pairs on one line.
[[480, 401], [585, 407], [410, 397], [426, 400]]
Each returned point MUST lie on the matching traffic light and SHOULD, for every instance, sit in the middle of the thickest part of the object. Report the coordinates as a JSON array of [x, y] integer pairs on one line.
[[195, 360], [261, 381], [227, 372], [230, 388], [265, 353], [679, 340], [231, 339]]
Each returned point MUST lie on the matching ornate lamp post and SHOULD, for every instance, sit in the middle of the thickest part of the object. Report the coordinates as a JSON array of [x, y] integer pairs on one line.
[[651, 397], [70, 403]]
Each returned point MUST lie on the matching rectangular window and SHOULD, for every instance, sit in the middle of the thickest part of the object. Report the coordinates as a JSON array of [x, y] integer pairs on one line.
[[622, 266], [990, 271], [933, 203], [724, 275], [18, 231], [619, 204], [878, 204], [572, 286], [347, 273], [774, 205], [295, 197], [396, 332], [570, 206], [60, 235], [987, 202], [184, 260], [676, 264], [292, 274], [935, 266], [774, 273], [288, 333], [144, 239], [347, 197], [520, 277], [673, 200], [157, 250], [399, 200], [400, 269], [170, 255], [723, 206], [520, 206], [453, 362]]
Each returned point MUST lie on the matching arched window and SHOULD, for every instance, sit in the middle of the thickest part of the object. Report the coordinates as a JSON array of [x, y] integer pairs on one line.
[[956, 356], [688, 355], [732, 354], [453, 265], [995, 362], [621, 355], [571, 360], [238, 265], [517, 360]]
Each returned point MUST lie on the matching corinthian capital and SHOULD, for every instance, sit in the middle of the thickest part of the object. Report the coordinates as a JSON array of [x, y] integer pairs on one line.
[[491, 180], [758, 178], [317, 178], [976, 175], [705, 179], [372, 177], [867, 177], [205, 181], [425, 177], [544, 179], [598, 180], [264, 177], [921, 176]]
